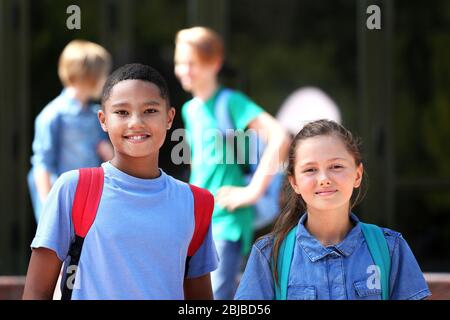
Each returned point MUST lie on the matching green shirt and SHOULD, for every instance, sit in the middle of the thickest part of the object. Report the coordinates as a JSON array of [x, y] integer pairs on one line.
[[209, 169]]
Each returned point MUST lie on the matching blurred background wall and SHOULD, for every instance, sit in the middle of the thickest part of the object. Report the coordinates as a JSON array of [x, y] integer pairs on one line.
[[392, 86]]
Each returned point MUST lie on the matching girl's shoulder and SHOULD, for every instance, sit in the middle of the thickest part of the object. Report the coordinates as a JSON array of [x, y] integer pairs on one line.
[[389, 233], [392, 238], [264, 245]]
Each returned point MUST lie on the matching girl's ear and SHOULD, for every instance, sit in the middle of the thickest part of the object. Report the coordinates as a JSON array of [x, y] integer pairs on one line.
[[102, 119], [293, 184], [359, 175]]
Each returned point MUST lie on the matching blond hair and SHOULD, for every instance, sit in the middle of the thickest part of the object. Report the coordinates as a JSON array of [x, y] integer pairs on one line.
[[83, 61], [208, 44]]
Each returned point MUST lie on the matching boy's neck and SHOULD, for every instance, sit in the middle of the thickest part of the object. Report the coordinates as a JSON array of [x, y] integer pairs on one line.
[[329, 227], [143, 168], [79, 95], [206, 90]]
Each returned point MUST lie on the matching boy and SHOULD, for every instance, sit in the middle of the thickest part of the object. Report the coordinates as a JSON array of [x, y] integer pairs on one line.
[[67, 133], [137, 246], [199, 54]]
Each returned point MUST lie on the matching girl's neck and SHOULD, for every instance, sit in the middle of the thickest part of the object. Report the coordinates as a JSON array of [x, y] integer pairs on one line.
[[329, 227], [143, 168], [206, 90]]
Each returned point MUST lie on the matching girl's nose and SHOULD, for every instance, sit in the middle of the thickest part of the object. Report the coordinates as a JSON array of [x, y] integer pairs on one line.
[[324, 181]]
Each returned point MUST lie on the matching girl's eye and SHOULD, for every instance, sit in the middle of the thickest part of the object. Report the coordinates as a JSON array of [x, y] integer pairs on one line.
[[310, 170], [121, 112], [337, 166], [150, 111]]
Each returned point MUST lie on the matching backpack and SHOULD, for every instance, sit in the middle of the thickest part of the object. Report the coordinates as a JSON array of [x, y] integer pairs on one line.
[[378, 249], [268, 206], [87, 198]]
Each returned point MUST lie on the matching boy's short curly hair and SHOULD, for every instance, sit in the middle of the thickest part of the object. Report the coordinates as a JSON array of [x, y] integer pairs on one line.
[[83, 60], [136, 71]]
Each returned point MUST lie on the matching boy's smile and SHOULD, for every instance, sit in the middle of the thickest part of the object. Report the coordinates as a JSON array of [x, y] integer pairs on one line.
[[136, 118]]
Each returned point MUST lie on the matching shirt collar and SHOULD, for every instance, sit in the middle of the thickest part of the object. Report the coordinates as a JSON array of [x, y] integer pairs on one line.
[[71, 104], [316, 251]]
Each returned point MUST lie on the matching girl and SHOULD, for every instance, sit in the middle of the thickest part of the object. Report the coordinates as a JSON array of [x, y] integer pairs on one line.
[[331, 258]]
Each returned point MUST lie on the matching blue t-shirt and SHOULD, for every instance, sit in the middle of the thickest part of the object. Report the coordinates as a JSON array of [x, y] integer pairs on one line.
[[66, 136], [343, 271], [137, 245]]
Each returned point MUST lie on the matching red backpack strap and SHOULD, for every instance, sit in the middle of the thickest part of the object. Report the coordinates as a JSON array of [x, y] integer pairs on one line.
[[87, 198], [203, 209], [84, 209]]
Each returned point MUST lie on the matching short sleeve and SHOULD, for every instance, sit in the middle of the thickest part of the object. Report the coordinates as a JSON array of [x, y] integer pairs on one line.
[[243, 110], [55, 230], [257, 281], [45, 145], [407, 281], [205, 260]]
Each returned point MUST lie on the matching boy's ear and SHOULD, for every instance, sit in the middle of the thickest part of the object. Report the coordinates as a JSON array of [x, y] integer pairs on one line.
[[170, 116], [102, 119]]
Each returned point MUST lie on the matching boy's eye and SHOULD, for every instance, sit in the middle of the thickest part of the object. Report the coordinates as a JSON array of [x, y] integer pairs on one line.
[[121, 112], [337, 166], [150, 110], [309, 170]]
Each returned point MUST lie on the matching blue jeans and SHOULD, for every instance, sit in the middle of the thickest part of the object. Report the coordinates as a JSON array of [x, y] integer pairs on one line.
[[224, 279]]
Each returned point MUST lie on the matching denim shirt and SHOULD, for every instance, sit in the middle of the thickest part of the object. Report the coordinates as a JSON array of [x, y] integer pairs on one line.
[[66, 136], [342, 271]]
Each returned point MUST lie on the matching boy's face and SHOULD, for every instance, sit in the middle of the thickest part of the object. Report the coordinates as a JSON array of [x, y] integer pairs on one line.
[[136, 118], [190, 70]]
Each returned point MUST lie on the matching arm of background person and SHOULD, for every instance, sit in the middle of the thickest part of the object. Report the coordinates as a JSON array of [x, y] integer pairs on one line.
[[43, 183], [277, 141]]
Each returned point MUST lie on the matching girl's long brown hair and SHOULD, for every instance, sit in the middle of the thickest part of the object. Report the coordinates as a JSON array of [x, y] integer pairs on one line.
[[294, 205]]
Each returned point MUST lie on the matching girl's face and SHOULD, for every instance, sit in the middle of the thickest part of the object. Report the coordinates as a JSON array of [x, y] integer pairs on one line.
[[190, 70], [325, 173], [136, 118]]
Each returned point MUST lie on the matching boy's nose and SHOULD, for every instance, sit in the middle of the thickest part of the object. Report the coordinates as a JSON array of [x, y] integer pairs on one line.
[[135, 121]]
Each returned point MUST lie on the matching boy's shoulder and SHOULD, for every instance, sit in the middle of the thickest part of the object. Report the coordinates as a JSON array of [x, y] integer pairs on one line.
[[186, 186], [69, 178]]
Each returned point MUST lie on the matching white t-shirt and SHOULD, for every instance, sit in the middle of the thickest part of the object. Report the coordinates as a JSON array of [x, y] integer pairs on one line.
[[137, 245]]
